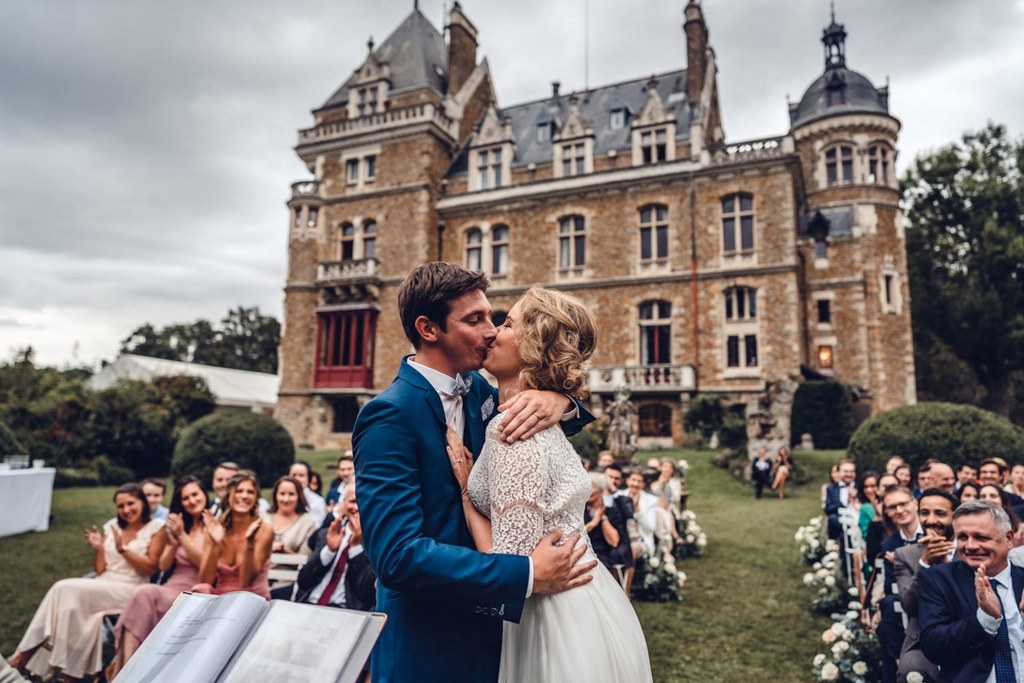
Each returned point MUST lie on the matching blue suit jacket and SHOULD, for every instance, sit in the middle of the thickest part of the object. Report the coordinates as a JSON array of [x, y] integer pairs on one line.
[[947, 613], [833, 503], [445, 602]]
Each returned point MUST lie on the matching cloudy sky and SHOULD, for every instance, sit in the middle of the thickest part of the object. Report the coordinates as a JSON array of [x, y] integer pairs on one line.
[[146, 148]]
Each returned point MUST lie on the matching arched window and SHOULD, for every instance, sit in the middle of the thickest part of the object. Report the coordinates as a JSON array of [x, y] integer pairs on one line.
[[654, 233], [370, 239], [347, 242], [839, 165], [474, 249], [655, 333], [572, 242], [499, 250], [737, 223], [740, 327]]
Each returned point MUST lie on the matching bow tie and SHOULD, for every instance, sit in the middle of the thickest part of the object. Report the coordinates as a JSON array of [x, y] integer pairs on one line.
[[843, 486], [461, 386]]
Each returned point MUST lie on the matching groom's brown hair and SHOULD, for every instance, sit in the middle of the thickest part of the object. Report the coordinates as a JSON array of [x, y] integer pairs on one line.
[[429, 290]]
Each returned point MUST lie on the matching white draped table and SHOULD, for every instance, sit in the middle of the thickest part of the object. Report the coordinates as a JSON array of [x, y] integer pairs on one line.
[[25, 500]]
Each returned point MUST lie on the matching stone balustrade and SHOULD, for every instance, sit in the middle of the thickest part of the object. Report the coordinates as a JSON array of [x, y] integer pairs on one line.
[[642, 378], [393, 118], [334, 272]]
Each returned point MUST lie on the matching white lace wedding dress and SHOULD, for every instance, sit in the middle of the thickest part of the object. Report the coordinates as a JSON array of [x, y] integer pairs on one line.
[[590, 633]]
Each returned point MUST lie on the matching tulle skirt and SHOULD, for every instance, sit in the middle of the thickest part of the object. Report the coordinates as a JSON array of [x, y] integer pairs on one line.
[[589, 633]]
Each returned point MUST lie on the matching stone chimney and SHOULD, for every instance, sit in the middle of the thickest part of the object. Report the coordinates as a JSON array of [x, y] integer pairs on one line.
[[696, 50], [461, 48]]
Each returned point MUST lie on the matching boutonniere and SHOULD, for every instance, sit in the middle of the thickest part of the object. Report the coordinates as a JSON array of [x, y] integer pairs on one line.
[[487, 409]]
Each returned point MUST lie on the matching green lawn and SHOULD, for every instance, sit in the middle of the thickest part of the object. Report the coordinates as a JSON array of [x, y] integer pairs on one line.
[[744, 618]]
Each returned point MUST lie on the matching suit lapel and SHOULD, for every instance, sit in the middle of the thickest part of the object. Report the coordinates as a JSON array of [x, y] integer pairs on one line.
[[420, 382], [1017, 577], [473, 425]]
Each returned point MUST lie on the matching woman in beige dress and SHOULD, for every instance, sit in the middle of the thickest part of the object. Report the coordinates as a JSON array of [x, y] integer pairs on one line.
[[292, 525], [66, 631]]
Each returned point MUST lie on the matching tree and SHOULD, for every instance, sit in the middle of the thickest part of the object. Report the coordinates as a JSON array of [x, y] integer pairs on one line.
[[245, 340], [965, 259]]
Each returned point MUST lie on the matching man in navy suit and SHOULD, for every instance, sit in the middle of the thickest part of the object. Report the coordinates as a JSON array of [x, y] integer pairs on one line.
[[899, 505], [969, 611], [837, 497], [446, 602]]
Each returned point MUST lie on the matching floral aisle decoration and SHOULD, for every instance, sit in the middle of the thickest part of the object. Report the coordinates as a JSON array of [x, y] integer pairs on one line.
[[831, 590], [659, 580], [851, 654], [692, 539], [809, 537]]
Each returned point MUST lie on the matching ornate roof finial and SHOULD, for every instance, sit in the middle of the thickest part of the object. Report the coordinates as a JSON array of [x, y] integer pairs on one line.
[[369, 44]]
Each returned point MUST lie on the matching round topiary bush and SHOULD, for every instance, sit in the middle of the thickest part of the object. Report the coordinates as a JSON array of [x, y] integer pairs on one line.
[[953, 433], [255, 442]]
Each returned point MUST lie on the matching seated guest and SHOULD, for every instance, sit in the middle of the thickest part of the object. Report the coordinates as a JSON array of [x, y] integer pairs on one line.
[[154, 489], [903, 475], [783, 470], [892, 463], [969, 490], [833, 478], [1016, 485], [604, 537], [345, 472], [924, 478], [222, 474], [967, 472], [669, 486], [236, 556], [838, 496], [867, 487], [338, 573], [876, 532], [65, 632], [616, 509], [604, 458], [292, 525], [182, 554], [943, 477], [935, 512], [301, 472], [316, 483], [761, 471], [1004, 499], [971, 624], [900, 511], [645, 507], [991, 471]]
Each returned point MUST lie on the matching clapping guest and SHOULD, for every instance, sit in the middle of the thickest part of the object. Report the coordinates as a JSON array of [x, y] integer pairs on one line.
[[645, 507], [338, 573], [237, 552], [669, 486], [182, 555], [292, 525], [65, 632], [604, 537]]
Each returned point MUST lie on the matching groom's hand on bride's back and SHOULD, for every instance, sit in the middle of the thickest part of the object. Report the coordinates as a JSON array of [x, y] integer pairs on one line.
[[559, 568]]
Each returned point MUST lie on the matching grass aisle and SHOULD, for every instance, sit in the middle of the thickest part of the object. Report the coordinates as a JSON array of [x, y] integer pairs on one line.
[[744, 615]]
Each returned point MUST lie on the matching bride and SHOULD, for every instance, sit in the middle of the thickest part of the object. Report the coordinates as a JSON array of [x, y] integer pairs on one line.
[[519, 492]]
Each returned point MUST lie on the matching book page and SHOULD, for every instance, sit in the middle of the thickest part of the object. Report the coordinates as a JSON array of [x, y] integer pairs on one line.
[[297, 643], [195, 639]]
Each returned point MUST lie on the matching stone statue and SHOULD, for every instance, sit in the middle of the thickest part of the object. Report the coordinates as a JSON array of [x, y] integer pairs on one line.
[[621, 440]]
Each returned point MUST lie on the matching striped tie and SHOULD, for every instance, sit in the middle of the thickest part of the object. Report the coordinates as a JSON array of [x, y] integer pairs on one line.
[[1003, 651]]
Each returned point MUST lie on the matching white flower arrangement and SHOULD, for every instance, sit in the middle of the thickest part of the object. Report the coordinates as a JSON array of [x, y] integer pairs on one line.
[[852, 655], [915, 677]]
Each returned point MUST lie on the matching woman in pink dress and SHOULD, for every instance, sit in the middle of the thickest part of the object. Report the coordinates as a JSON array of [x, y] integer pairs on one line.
[[186, 536], [237, 552], [66, 631]]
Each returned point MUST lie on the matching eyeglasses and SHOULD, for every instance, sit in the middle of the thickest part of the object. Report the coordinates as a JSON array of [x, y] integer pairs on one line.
[[897, 506]]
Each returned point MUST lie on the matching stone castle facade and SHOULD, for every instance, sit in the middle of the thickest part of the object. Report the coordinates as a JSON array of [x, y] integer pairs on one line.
[[711, 266]]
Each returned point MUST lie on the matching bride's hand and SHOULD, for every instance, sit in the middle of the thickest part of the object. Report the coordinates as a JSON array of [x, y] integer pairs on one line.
[[461, 460]]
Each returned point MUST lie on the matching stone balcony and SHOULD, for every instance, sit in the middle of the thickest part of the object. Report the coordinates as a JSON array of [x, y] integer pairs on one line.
[[642, 379], [306, 189], [393, 118], [752, 150], [354, 280]]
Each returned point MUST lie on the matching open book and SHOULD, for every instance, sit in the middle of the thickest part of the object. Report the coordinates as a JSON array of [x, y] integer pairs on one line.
[[242, 638]]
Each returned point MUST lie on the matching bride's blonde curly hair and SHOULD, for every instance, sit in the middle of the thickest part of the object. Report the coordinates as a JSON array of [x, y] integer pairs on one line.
[[559, 335]]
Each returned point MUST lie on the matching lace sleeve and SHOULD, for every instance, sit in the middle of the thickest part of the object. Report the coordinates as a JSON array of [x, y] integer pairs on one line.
[[519, 478]]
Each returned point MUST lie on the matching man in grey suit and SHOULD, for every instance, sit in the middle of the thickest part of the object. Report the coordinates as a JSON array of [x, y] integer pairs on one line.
[[935, 511]]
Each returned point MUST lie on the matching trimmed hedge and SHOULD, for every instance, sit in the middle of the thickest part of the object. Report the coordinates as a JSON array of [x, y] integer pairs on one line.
[[823, 410], [953, 433], [255, 442]]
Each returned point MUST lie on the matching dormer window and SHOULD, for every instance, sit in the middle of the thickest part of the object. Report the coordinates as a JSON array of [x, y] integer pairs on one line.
[[543, 132], [367, 101], [654, 145], [574, 158], [488, 167], [836, 97], [617, 119]]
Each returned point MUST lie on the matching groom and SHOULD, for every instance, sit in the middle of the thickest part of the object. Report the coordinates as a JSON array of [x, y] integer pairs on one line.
[[445, 602]]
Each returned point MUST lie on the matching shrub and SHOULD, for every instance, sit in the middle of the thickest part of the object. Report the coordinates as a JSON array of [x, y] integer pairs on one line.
[[951, 432], [823, 409], [705, 416], [733, 433], [255, 442], [587, 443]]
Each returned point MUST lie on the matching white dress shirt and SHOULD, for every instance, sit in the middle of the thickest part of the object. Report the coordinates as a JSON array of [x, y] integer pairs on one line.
[[317, 506], [1014, 623], [328, 559]]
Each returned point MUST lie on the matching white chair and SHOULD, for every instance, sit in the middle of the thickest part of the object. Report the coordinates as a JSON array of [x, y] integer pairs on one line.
[[284, 570]]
